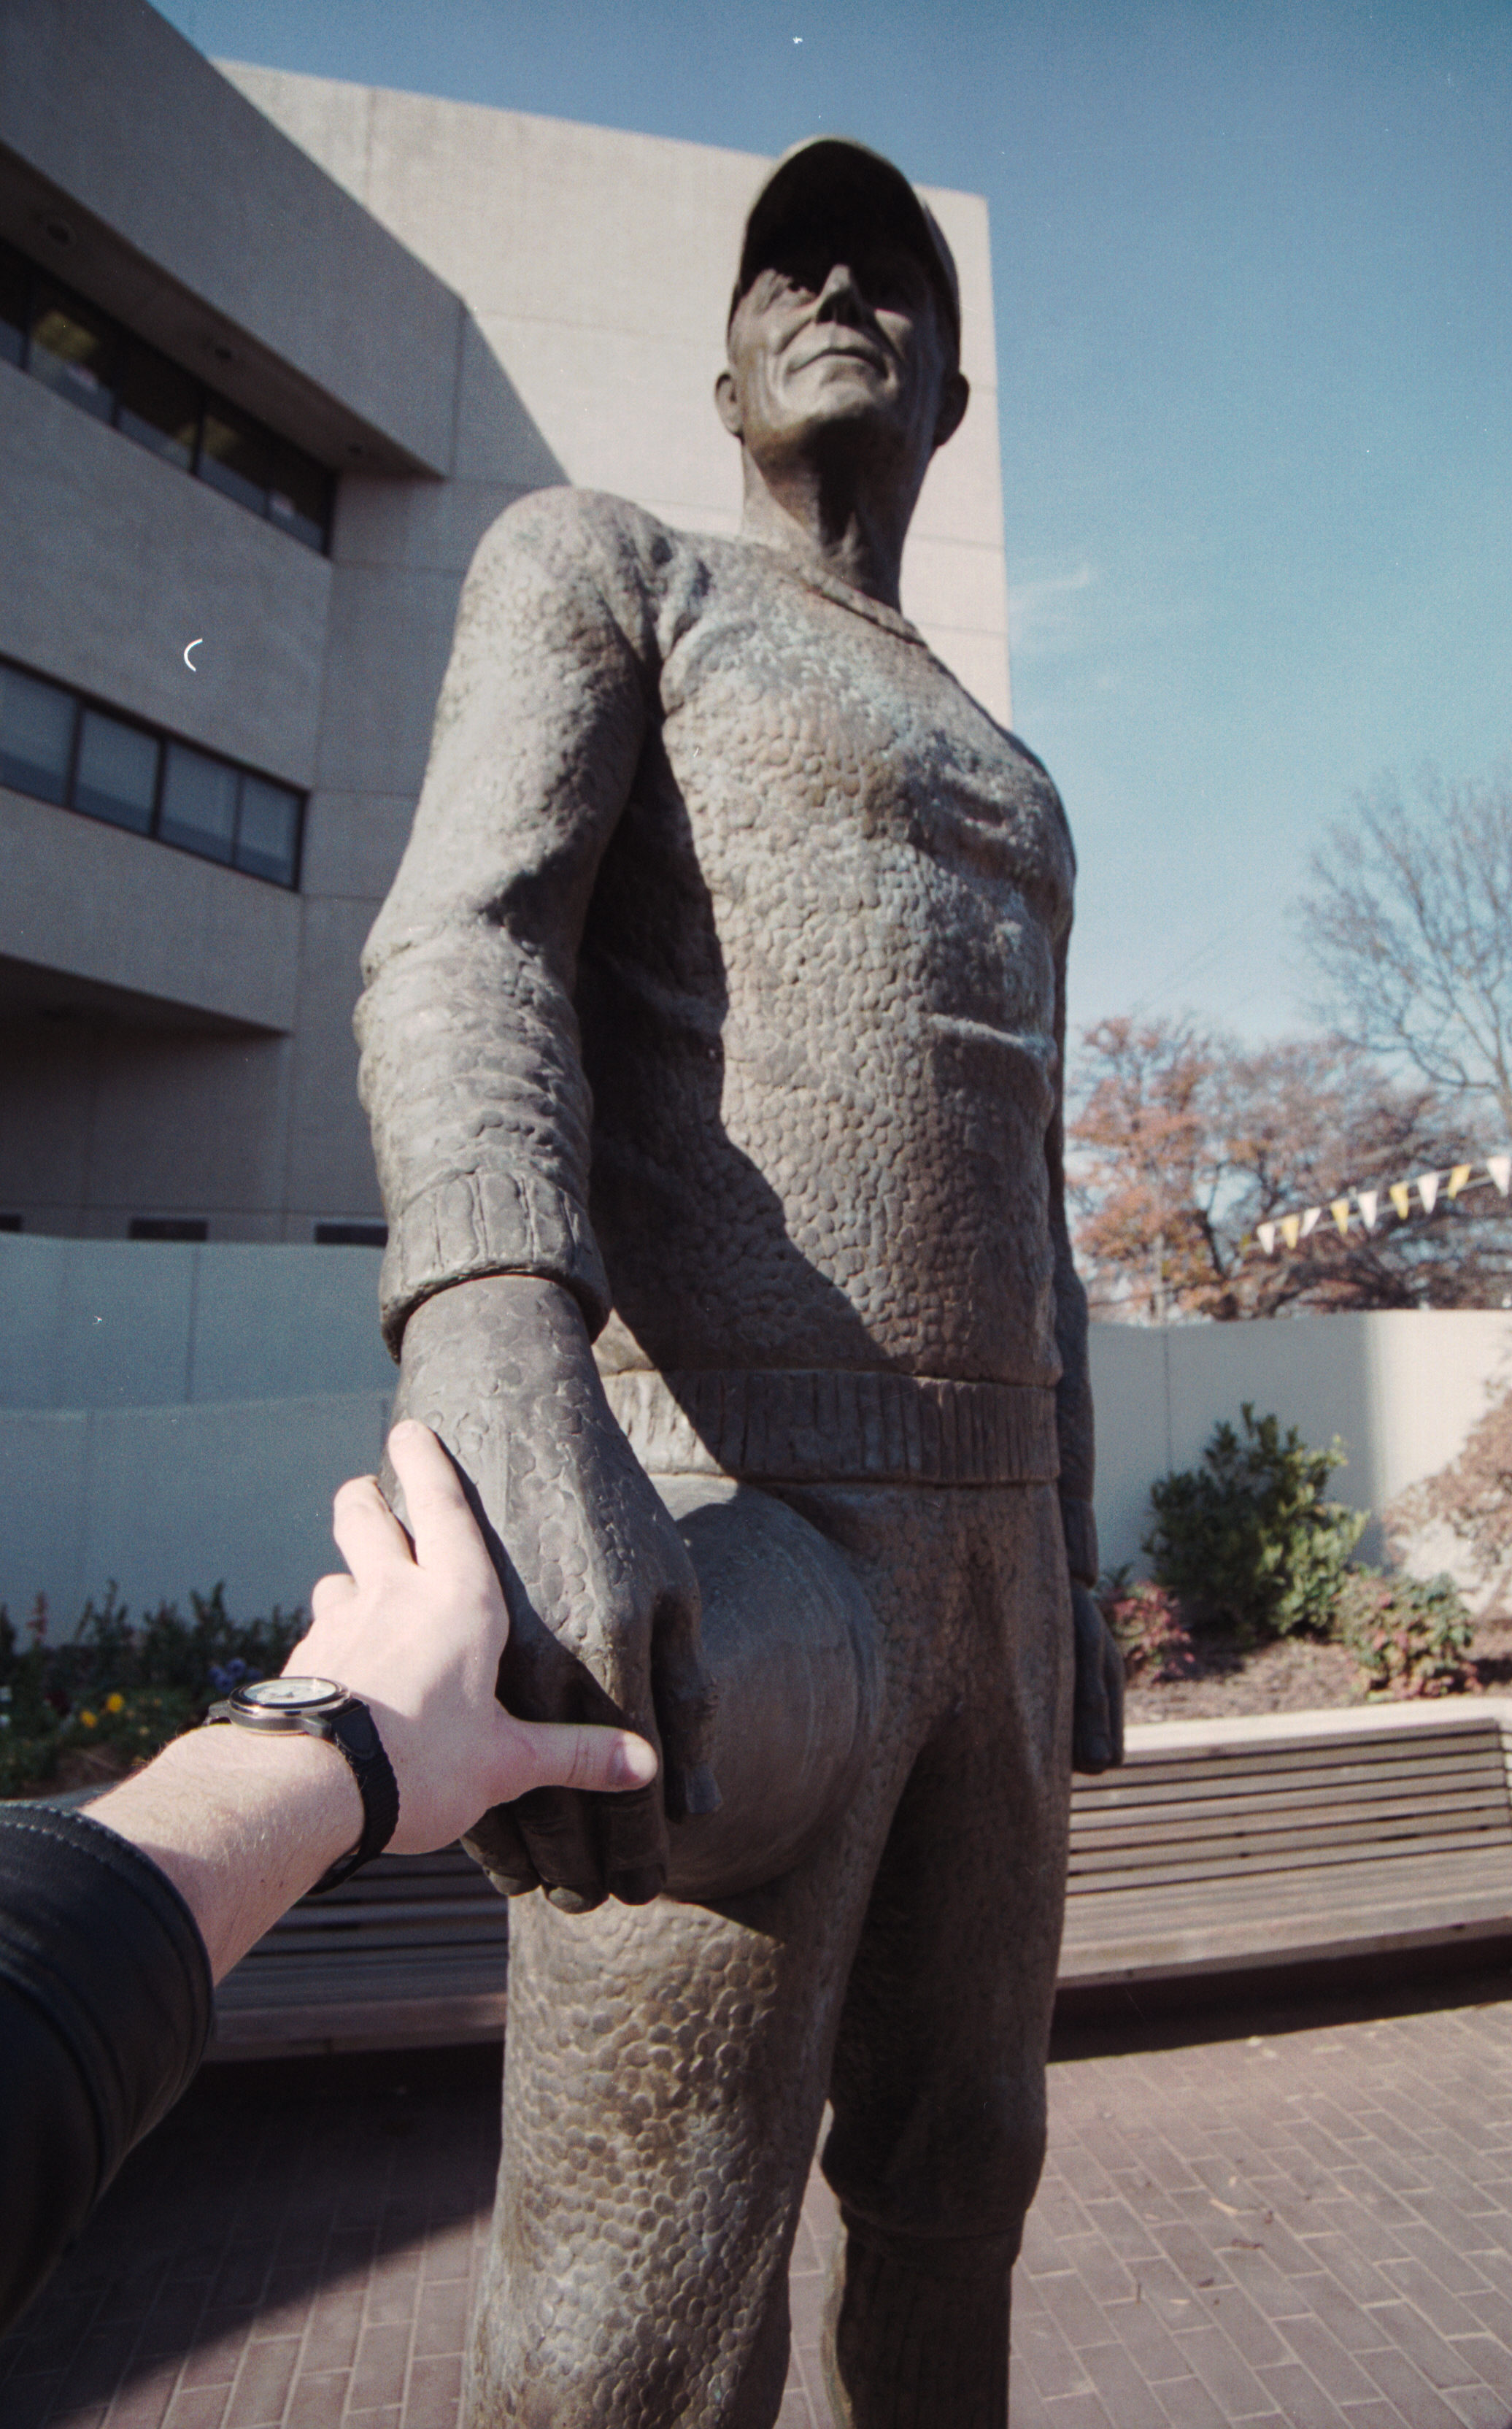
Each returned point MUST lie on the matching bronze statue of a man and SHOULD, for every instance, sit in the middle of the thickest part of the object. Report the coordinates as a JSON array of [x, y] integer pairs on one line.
[[716, 1016]]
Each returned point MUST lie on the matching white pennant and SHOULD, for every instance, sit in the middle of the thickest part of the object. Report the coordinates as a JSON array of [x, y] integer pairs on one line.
[[1370, 1198], [1310, 1221], [1499, 1169], [1265, 1234], [1427, 1186]]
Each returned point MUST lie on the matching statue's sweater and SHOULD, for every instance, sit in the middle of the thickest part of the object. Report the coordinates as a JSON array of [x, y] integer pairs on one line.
[[723, 983]]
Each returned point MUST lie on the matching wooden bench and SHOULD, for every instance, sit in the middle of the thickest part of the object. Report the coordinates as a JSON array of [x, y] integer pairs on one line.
[[412, 1951], [1222, 1848], [1296, 1839]]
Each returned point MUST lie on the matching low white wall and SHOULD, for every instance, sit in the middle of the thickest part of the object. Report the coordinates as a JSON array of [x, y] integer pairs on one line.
[[1400, 1390], [172, 1416]]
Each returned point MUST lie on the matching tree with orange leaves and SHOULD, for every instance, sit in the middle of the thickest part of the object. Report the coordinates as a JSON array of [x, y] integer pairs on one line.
[[1180, 1143]]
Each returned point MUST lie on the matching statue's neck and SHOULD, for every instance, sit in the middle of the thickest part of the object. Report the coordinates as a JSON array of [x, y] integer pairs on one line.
[[835, 526]]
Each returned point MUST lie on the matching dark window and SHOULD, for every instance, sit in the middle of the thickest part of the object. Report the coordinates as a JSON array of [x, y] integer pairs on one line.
[[36, 735], [160, 406], [11, 1223], [82, 354], [199, 807], [299, 495], [116, 777], [74, 348], [268, 831], [13, 315], [351, 1235], [234, 453], [59, 748], [168, 1226]]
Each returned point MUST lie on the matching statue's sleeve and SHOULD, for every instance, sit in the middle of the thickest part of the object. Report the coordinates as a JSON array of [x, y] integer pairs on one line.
[[1074, 1414], [470, 1073]]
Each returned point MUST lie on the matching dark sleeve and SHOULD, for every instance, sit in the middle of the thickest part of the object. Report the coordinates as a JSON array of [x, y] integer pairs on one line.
[[471, 1070], [1073, 1399], [105, 2009]]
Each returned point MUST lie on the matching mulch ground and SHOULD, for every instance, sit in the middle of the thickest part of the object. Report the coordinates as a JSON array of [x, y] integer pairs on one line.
[[1297, 1675]]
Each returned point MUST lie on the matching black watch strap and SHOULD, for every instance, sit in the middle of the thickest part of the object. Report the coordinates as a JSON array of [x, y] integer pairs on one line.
[[352, 1728], [355, 1731]]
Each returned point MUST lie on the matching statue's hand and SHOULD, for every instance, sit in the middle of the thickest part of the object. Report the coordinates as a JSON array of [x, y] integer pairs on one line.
[[603, 1603], [1097, 1728]]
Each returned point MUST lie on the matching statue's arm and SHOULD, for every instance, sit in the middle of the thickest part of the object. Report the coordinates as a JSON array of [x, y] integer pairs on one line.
[[470, 1070], [493, 1287], [1098, 1734]]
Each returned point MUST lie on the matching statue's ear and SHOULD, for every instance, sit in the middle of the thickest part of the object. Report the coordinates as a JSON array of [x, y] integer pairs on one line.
[[954, 398], [726, 403]]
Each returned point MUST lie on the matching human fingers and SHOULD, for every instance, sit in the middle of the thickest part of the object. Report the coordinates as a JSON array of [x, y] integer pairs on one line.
[[332, 1595], [369, 1537], [444, 1529]]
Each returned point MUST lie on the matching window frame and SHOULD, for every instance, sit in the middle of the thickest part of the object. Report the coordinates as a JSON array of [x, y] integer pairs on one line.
[[125, 342], [164, 737]]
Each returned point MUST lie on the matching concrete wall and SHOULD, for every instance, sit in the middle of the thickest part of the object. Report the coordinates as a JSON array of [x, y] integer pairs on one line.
[[1401, 1391], [451, 306], [597, 267], [197, 221], [172, 1416]]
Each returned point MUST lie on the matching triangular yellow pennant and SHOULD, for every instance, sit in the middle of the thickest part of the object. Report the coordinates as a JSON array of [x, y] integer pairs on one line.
[[1290, 1226], [1339, 1211], [1400, 1198], [1458, 1177]]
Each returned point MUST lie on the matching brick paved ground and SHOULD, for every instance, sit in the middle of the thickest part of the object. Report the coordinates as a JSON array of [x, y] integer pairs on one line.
[[1301, 2218]]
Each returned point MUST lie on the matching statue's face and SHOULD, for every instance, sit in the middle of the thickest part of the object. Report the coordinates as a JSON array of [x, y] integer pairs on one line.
[[840, 329]]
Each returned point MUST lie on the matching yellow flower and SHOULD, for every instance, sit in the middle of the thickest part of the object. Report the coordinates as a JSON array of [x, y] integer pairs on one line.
[[115, 1703], [88, 1718]]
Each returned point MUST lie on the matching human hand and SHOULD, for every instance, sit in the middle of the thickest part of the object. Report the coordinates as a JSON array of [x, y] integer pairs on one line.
[[418, 1631], [1097, 1726], [603, 1602]]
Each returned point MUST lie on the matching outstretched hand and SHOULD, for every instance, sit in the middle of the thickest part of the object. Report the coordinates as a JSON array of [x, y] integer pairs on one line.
[[418, 1630]]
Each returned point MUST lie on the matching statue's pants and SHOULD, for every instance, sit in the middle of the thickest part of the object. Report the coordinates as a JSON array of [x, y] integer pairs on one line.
[[666, 2067]]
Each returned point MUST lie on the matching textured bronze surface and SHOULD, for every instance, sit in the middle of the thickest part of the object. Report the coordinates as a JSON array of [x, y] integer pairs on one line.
[[716, 1015]]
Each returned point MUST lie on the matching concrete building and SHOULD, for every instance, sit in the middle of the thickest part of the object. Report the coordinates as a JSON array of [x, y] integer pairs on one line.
[[273, 353]]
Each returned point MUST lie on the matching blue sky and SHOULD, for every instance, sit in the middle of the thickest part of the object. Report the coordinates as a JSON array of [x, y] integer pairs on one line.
[[1256, 364]]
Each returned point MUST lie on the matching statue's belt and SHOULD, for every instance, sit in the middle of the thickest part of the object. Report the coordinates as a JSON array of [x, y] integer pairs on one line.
[[836, 1427]]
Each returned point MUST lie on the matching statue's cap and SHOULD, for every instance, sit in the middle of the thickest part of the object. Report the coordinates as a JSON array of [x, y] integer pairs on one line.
[[833, 171]]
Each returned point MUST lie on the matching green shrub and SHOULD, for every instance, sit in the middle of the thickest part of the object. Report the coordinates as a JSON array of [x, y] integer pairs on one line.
[[1148, 1630], [1410, 1636], [1247, 1540], [125, 1689]]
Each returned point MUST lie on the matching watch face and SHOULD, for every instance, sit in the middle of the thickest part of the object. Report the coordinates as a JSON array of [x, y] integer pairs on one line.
[[291, 1695]]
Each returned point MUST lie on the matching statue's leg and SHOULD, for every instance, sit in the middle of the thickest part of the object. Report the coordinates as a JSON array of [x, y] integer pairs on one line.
[[938, 2082], [666, 2067]]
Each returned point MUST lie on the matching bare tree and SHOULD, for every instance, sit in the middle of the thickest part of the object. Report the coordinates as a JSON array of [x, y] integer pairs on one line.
[[1180, 1143], [1409, 920]]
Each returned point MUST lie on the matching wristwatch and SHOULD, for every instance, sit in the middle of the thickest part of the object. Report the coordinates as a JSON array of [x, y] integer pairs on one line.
[[318, 1708]]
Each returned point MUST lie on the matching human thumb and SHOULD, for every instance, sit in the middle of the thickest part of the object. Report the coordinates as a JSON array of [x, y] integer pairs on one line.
[[568, 1754]]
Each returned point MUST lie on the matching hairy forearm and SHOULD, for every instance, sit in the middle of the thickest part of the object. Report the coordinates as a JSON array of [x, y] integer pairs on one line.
[[242, 1825]]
